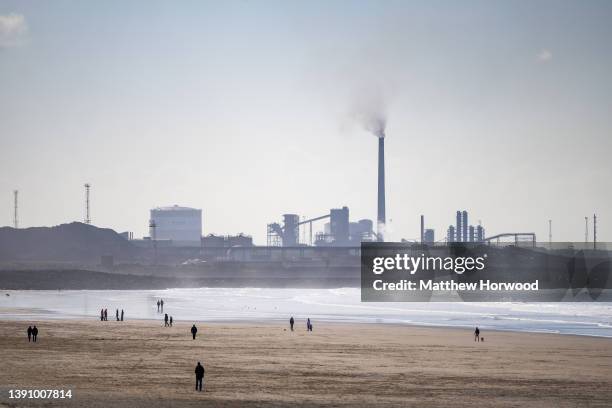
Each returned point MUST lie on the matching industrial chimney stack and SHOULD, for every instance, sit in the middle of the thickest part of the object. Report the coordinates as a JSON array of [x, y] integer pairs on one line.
[[381, 220]]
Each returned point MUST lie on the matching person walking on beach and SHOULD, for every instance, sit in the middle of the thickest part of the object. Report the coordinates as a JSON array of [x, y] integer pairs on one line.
[[117, 314], [291, 322], [29, 333], [170, 321], [199, 373], [166, 320], [161, 302], [308, 325], [477, 334], [121, 314], [34, 333], [101, 315], [194, 330], [106, 314], [157, 305]]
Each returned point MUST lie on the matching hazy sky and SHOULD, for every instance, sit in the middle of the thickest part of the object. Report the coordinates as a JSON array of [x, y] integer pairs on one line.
[[248, 110]]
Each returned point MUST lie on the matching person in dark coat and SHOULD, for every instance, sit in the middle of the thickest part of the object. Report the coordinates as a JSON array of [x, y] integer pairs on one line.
[[199, 373], [29, 333], [101, 315], [158, 306], [194, 330], [161, 302], [170, 321], [117, 314], [121, 314], [477, 334], [291, 322], [34, 333], [166, 320], [106, 314]]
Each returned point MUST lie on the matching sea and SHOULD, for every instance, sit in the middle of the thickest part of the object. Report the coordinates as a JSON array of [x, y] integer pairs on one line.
[[342, 305]]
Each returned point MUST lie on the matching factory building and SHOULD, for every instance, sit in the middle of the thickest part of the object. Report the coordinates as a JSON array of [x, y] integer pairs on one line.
[[463, 232], [480, 233], [464, 226], [339, 225], [338, 231], [226, 241], [458, 229], [450, 234], [291, 231], [180, 225], [429, 236], [361, 231]]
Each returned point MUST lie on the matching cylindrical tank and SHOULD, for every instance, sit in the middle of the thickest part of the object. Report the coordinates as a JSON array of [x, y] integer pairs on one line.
[[290, 230]]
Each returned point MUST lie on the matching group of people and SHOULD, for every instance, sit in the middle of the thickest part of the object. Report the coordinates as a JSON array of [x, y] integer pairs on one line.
[[160, 306], [308, 324], [168, 320], [32, 333], [104, 315]]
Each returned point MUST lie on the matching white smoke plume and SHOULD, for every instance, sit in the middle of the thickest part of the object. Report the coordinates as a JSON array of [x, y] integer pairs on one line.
[[370, 110], [13, 29]]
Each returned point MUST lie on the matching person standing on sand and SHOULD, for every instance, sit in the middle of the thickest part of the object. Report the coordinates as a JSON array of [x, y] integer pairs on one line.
[[161, 302], [106, 314], [170, 321], [117, 314], [194, 330], [199, 373], [308, 324], [29, 333], [101, 315], [166, 320], [121, 314], [157, 305], [34, 333], [291, 322], [477, 334]]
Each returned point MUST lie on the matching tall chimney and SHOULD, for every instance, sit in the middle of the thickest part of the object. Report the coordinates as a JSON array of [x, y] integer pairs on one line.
[[422, 228], [459, 230], [381, 220]]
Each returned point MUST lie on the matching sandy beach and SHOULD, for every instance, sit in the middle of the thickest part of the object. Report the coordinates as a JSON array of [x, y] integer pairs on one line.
[[142, 363]]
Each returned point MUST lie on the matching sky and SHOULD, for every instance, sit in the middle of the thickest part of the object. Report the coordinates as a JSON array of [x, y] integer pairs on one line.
[[252, 109]]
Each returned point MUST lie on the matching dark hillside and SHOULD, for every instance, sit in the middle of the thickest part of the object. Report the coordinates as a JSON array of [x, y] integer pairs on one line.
[[75, 242]]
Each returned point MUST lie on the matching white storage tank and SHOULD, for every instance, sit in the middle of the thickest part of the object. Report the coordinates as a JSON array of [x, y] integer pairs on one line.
[[181, 225]]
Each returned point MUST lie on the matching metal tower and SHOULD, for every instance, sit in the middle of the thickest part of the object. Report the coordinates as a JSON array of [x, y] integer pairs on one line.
[[422, 228], [15, 209], [594, 231], [87, 218], [153, 234]]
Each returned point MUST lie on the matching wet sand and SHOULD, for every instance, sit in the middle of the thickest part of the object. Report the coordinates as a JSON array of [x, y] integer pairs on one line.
[[142, 364]]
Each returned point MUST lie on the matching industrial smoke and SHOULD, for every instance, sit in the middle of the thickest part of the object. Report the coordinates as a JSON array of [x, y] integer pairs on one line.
[[376, 125], [375, 122], [370, 112]]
